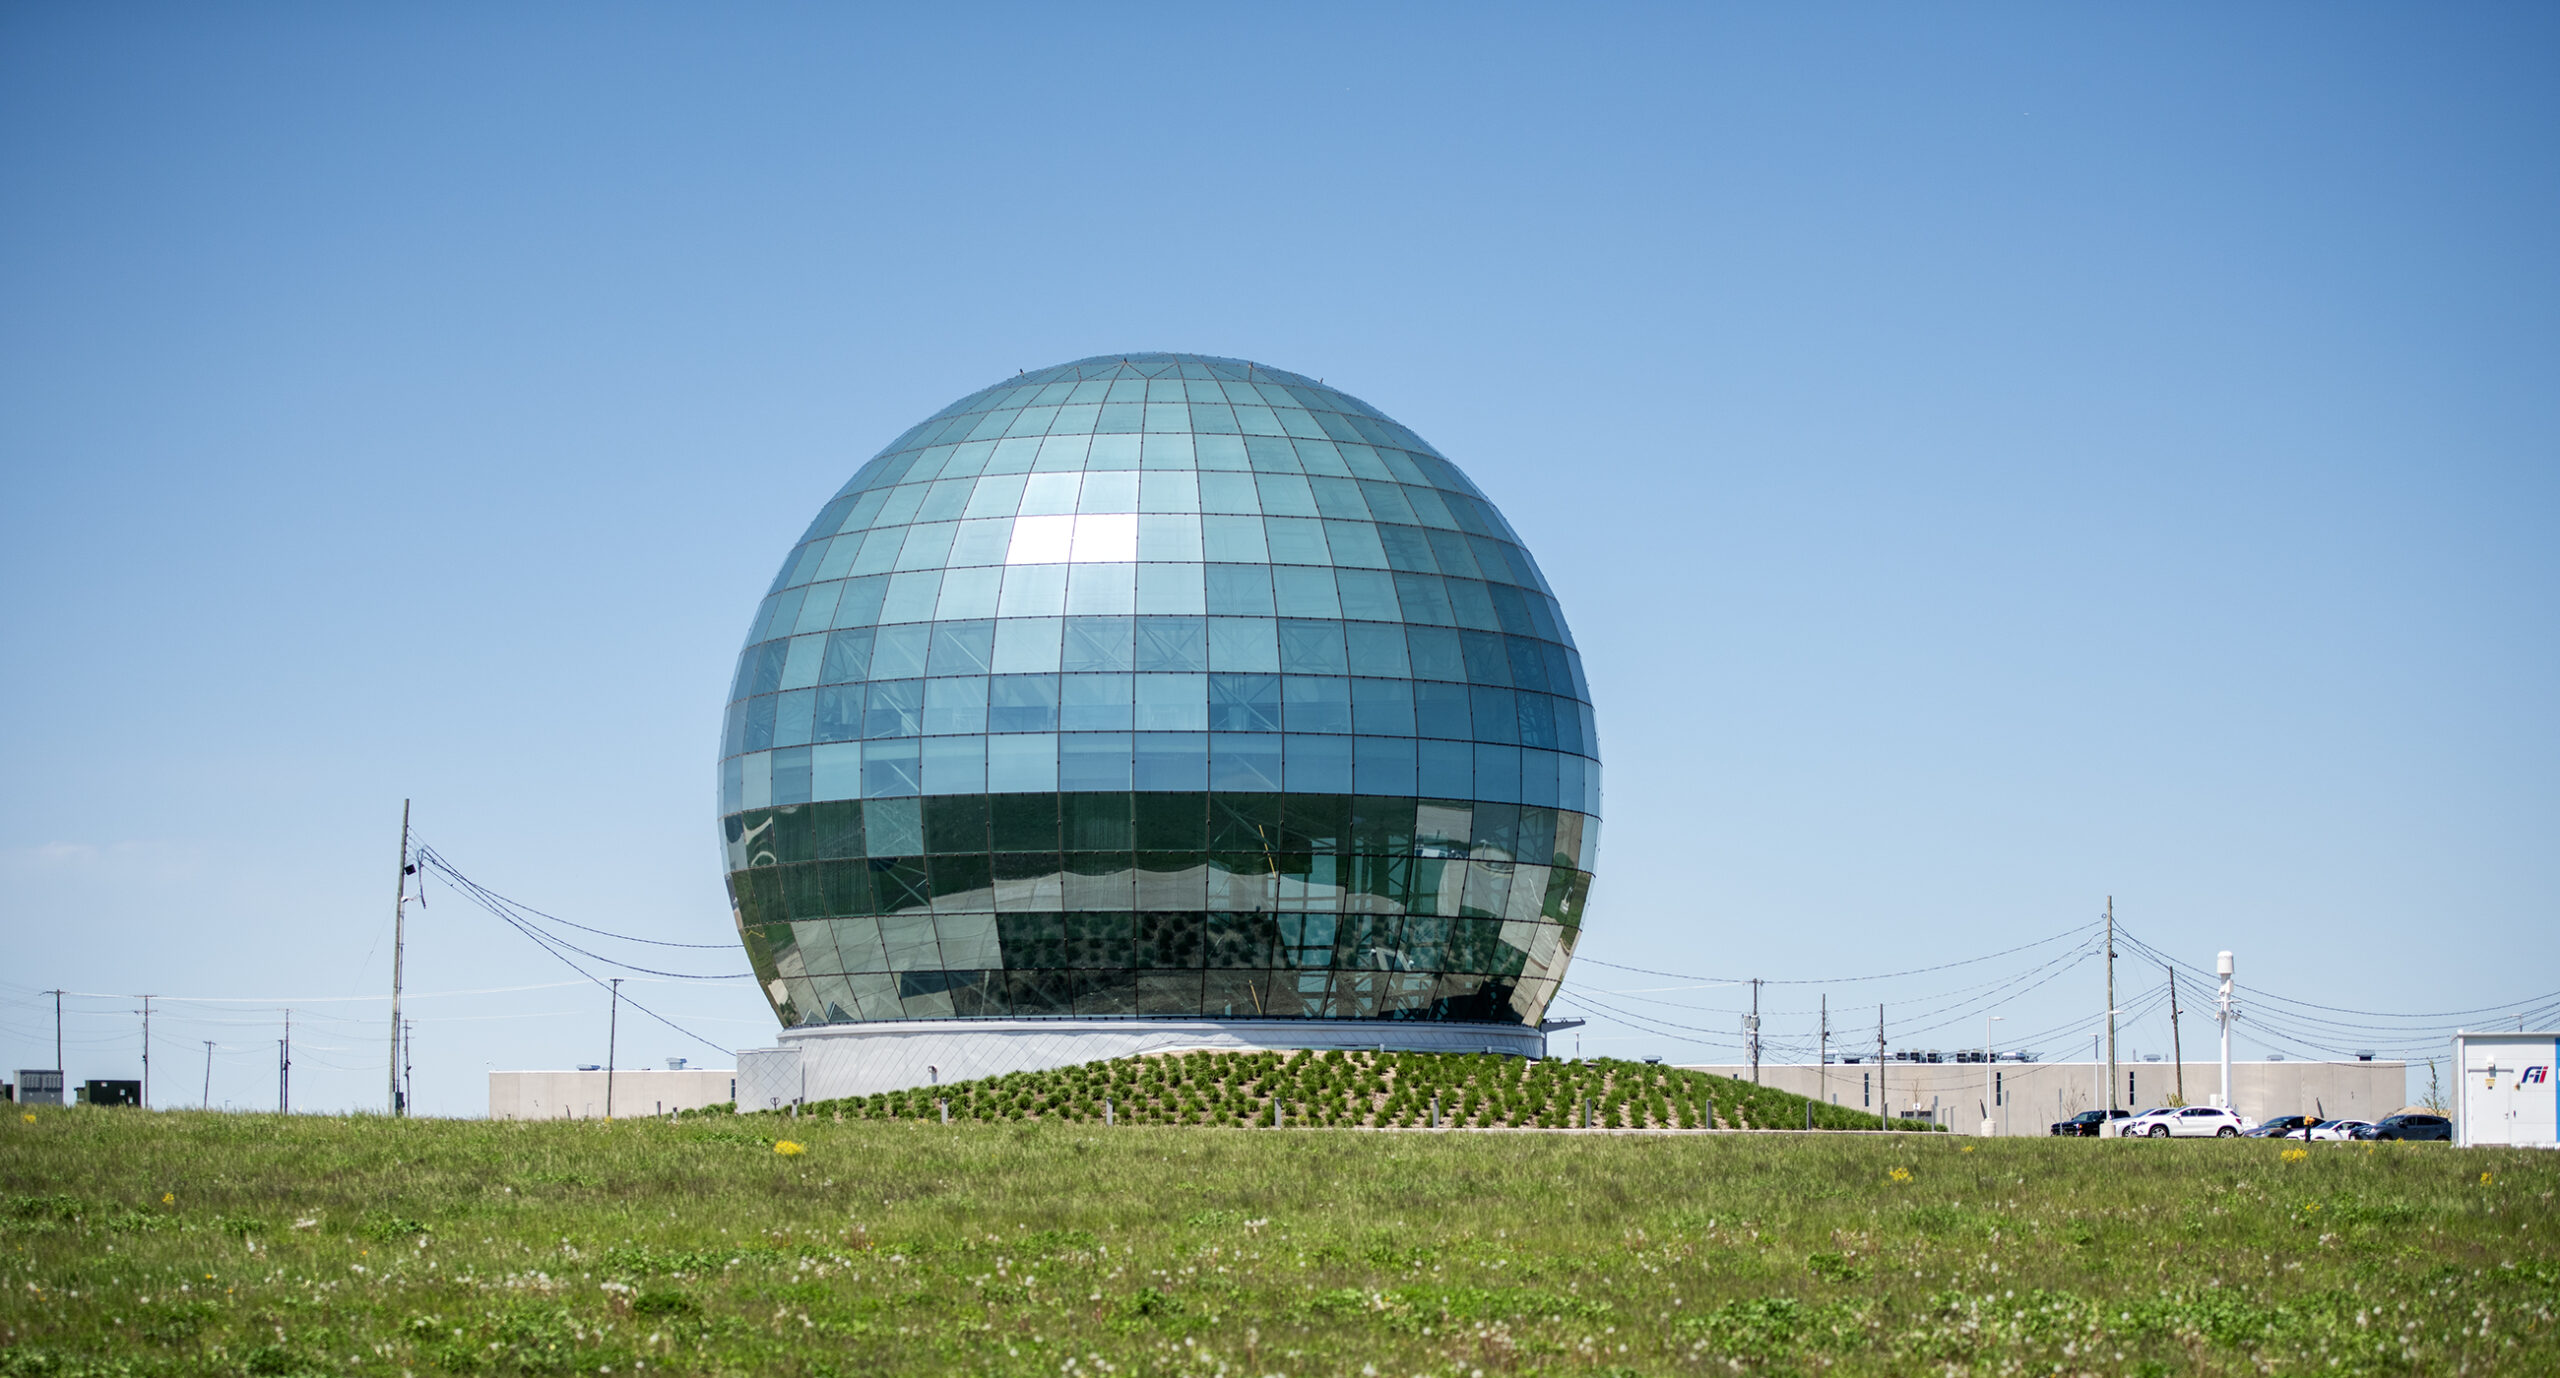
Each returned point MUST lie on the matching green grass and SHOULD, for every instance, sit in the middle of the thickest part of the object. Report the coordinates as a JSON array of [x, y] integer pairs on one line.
[[1364, 1090], [184, 1243]]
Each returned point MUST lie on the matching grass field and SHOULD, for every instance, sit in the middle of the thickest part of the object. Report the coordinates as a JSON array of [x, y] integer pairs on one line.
[[183, 1243]]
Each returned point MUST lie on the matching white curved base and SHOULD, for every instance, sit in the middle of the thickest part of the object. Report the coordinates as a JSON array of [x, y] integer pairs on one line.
[[824, 1062]]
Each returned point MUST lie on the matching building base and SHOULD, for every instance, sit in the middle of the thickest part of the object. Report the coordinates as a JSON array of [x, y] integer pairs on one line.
[[828, 1061]]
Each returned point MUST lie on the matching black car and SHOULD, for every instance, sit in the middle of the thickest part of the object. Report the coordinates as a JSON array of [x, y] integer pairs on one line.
[[2085, 1124], [2283, 1127], [2409, 1127]]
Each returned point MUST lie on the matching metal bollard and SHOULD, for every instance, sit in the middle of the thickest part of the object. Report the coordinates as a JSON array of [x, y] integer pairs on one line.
[[1106, 1110]]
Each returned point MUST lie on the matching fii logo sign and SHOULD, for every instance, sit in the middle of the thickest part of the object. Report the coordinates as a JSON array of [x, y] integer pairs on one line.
[[2534, 1075]]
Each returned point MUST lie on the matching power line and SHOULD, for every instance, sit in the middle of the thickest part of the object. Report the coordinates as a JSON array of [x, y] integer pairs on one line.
[[506, 910], [1839, 980], [430, 856]]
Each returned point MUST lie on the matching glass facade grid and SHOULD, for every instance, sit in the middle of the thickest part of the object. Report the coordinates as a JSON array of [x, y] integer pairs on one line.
[[1159, 685]]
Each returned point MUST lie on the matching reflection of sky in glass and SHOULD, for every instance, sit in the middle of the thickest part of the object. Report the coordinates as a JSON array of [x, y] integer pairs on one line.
[[1217, 596]]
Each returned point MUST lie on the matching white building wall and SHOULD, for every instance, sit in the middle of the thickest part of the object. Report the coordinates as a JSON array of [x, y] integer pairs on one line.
[[2032, 1095], [581, 1095]]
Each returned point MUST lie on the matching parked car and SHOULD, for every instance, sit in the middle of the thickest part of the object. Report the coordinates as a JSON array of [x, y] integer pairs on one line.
[[2089, 1123], [2282, 1127], [2137, 1126], [2409, 1127], [2196, 1122], [2338, 1129]]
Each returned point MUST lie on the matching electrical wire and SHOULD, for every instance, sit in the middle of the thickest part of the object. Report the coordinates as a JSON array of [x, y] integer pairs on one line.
[[505, 909], [1841, 980], [428, 856]]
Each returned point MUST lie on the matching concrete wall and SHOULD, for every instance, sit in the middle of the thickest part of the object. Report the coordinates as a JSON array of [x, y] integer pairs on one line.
[[637, 1091], [2035, 1094]]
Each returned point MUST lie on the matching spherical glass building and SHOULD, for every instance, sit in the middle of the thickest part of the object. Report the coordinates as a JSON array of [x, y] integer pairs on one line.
[[1159, 686]]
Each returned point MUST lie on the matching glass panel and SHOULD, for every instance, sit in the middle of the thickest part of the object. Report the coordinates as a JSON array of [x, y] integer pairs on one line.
[[1319, 764], [1242, 761], [1095, 703], [1172, 643], [1244, 703], [1035, 590], [1097, 644], [1172, 703], [1172, 589], [1315, 703], [1027, 645], [1094, 761], [1244, 644], [961, 648]]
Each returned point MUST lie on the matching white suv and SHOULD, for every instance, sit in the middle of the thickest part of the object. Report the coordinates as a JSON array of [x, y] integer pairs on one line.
[[2197, 1122]]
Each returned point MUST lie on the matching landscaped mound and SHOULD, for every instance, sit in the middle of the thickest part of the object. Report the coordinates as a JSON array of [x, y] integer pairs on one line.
[[1365, 1090]]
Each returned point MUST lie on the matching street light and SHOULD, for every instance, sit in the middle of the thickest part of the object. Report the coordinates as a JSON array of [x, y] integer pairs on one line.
[[1988, 1095]]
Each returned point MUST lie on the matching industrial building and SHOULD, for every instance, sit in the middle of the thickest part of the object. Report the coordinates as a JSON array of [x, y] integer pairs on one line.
[[1154, 700], [2012, 1097], [585, 1094]]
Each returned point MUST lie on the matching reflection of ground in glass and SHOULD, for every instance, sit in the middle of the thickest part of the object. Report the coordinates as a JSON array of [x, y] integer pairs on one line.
[[1160, 686]]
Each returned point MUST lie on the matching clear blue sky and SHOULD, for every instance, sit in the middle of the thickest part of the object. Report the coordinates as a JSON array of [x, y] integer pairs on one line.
[[1994, 458]]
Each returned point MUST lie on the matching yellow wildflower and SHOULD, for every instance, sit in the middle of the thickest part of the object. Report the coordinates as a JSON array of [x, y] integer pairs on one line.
[[1900, 1174], [2484, 1179], [787, 1148], [29, 1117], [168, 1198], [2294, 1155]]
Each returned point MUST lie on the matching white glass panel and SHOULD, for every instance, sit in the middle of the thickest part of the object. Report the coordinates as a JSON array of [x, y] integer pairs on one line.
[[1106, 539], [1041, 540]]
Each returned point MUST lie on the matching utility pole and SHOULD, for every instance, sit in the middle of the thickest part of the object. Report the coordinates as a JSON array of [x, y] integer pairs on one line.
[[2222, 968], [612, 1033], [208, 1074], [2176, 1057], [1884, 1103], [2111, 1003], [57, 1032], [408, 1064], [146, 1052], [1990, 1072], [1822, 1055], [1754, 1030], [284, 1068], [399, 941]]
